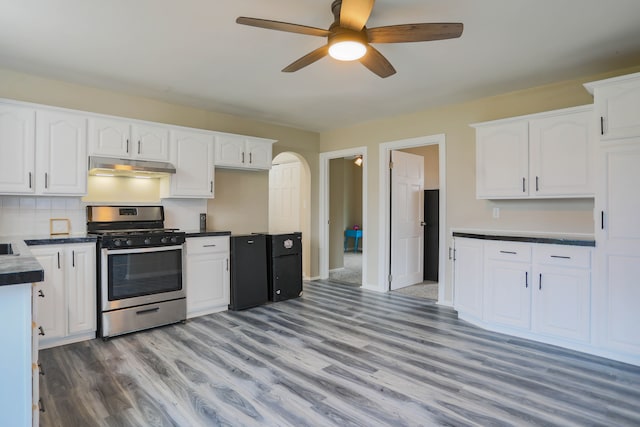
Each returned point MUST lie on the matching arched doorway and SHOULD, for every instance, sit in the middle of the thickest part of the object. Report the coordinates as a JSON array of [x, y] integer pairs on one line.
[[290, 201]]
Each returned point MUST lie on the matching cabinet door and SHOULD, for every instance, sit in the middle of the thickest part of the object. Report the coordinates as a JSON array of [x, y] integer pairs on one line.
[[109, 137], [502, 161], [618, 249], [17, 144], [562, 155], [150, 142], [508, 293], [51, 307], [618, 105], [193, 159], [468, 276], [259, 154], [207, 275], [230, 151], [80, 276], [561, 302], [61, 141]]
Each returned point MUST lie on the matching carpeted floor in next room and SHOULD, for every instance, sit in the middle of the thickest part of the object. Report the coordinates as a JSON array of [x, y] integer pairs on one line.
[[351, 274]]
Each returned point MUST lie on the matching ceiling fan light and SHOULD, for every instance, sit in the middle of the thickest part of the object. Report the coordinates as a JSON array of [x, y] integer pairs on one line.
[[347, 50]]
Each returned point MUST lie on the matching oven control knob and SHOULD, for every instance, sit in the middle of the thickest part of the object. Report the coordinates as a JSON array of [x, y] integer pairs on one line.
[[117, 242], [174, 240], [129, 242], [163, 240], [147, 241]]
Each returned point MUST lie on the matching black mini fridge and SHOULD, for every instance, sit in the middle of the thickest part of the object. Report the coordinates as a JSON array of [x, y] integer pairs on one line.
[[284, 262], [249, 287]]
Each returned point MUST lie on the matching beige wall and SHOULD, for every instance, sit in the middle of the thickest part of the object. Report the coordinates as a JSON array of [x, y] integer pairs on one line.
[[431, 164], [463, 210], [244, 210]]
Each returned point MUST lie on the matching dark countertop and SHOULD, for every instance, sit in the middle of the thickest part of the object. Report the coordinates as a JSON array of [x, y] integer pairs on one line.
[[58, 240], [193, 233], [533, 238], [20, 267]]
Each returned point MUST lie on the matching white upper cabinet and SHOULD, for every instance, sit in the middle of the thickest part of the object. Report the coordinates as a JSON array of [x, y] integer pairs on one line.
[[502, 161], [544, 155], [17, 145], [192, 154], [562, 155], [61, 153], [243, 152], [617, 103], [124, 139]]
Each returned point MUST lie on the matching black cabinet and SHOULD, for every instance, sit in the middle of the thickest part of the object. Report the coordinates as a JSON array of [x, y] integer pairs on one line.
[[284, 259], [249, 285]]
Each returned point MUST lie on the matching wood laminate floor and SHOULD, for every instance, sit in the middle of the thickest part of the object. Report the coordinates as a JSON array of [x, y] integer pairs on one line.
[[336, 356]]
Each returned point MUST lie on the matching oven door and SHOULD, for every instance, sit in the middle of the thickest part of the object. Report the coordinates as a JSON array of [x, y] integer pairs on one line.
[[132, 277]]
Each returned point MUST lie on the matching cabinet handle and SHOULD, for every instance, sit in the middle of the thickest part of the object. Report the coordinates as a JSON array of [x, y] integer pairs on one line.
[[127, 145], [227, 264], [210, 186], [40, 293], [250, 158], [41, 405], [243, 157], [449, 252], [29, 179], [41, 331], [602, 220], [208, 246], [454, 254], [560, 256], [540, 282], [509, 252], [58, 260], [537, 186], [46, 180], [73, 259], [138, 147], [526, 279], [524, 190], [601, 125]]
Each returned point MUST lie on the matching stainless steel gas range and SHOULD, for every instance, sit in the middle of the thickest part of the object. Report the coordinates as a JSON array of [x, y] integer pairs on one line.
[[140, 276]]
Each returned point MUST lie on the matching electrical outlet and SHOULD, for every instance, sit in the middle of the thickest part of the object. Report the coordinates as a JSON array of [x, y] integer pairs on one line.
[[496, 213]]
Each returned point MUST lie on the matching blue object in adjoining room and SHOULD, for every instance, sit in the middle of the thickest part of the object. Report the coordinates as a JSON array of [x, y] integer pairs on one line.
[[356, 234]]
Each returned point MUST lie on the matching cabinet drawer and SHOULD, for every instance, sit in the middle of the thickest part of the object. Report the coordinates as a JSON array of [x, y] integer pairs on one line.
[[563, 256], [508, 251], [207, 244]]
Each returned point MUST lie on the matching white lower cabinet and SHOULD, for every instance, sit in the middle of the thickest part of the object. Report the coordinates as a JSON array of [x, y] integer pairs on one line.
[[66, 300], [207, 275], [536, 290]]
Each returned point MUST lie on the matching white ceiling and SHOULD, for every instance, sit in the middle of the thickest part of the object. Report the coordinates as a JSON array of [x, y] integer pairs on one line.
[[192, 52]]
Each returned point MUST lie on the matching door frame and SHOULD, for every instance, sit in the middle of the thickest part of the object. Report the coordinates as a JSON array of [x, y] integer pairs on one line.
[[385, 206], [323, 238]]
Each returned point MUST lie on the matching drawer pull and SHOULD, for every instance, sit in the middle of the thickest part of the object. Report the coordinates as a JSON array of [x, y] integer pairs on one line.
[[149, 310], [208, 246], [509, 252], [250, 242], [526, 279], [540, 282], [560, 257], [41, 331]]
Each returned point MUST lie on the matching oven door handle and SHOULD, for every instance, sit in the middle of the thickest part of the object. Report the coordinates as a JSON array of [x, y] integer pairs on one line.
[[125, 251]]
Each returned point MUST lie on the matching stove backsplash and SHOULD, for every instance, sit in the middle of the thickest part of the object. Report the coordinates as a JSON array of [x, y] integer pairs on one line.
[[30, 215]]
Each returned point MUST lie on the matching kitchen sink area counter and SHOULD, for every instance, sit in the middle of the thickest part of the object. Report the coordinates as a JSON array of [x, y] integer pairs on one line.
[[17, 265], [528, 237], [206, 233]]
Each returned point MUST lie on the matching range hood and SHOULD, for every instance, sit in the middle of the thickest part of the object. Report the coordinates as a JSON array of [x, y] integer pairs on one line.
[[106, 166]]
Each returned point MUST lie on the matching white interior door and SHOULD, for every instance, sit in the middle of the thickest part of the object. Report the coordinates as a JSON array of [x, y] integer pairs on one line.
[[284, 198], [407, 238]]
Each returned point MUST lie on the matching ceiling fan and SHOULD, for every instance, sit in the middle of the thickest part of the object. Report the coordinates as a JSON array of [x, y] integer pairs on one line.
[[348, 38]]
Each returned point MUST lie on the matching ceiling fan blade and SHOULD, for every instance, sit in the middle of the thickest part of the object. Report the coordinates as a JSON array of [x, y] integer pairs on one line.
[[282, 26], [414, 32], [308, 59], [377, 63], [355, 13]]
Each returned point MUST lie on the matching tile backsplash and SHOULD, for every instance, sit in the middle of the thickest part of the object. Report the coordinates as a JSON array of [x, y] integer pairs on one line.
[[30, 215]]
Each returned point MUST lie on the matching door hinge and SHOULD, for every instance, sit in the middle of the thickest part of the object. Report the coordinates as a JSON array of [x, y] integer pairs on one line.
[[390, 164], [390, 278]]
